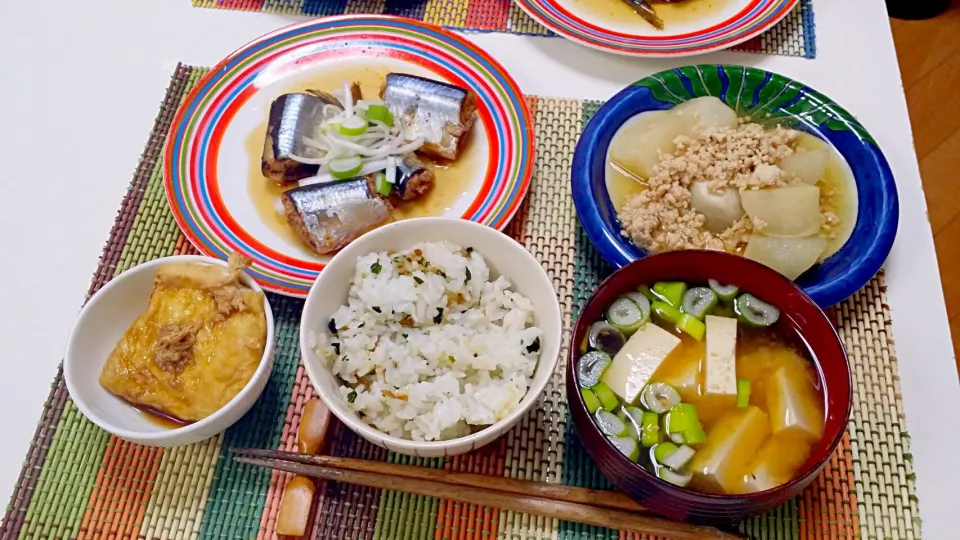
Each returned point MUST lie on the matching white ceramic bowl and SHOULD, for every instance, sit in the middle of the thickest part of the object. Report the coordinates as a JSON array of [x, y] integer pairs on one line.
[[504, 256], [100, 326]]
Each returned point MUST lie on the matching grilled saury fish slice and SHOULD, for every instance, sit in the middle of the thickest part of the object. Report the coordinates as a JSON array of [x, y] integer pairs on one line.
[[413, 177], [331, 215], [292, 116], [442, 114]]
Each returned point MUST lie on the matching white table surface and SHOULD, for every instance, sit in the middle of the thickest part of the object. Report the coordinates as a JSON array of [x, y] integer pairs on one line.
[[80, 82]]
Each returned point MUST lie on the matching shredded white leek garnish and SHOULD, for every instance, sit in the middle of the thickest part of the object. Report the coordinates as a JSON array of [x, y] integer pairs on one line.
[[378, 142]]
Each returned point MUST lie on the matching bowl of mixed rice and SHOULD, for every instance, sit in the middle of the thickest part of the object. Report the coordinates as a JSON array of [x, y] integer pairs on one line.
[[431, 336]]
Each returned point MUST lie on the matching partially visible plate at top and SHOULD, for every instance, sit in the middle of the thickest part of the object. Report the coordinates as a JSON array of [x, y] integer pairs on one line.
[[689, 27], [212, 175]]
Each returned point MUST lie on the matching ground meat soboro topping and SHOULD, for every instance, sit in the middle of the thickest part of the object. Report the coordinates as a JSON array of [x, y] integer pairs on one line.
[[661, 218]]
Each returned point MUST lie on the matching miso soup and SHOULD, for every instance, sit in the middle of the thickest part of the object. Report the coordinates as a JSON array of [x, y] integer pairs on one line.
[[698, 384]]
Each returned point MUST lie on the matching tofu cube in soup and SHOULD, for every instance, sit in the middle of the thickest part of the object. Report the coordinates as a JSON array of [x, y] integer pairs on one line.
[[721, 359], [776, 462], [793, 403], [639, 358], [720, 464]]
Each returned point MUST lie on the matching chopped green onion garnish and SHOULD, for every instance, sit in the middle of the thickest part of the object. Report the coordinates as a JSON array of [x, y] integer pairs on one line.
[[643, 304], [644, 290], [379, 113], [662, 450], [634, 414], [683, 416], [649, 429], [666, 312], [692, 326], [605, 337], [610, 424], [725, 292], [392, 165], [626, 446], [695, 436], [634, 419], [674, 478], [346, 167], [670, 292], [755, 312], [353, 126], [632, 427], [676, 460], [590, 400], [624, 314], [590, 368], [383, 187], [608, 400], [698, 301], [659, 397], [743, 393]]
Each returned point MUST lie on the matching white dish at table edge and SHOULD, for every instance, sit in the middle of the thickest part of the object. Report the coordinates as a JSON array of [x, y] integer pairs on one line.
[[104, 320], [503, 256]]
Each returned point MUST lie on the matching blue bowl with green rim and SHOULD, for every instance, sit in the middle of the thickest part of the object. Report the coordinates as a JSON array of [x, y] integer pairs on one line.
[[755, 91]]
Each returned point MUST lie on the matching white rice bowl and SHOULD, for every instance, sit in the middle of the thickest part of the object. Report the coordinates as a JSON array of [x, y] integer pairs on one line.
[[427, 347]]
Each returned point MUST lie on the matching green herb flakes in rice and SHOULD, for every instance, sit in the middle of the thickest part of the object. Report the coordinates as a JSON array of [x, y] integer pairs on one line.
[[428, 346]]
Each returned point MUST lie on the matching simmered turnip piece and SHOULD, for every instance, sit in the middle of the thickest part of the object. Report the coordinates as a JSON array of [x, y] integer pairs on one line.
[[636, 361], [807, 166], [791, 211], [731, 444], [789, 256], [776, 463], [637, 146], [721, 209], [708, 111], [721, 358], [793, 402]]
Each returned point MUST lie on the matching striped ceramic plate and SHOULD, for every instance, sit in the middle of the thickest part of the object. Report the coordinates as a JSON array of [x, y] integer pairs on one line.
[[212, 175], [689, 27]]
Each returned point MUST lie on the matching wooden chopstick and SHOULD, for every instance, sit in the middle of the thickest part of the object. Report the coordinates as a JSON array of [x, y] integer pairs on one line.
[[604, 509], [560, 492]]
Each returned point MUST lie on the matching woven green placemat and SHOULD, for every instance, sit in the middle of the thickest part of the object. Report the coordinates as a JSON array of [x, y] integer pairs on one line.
[[78, 482]]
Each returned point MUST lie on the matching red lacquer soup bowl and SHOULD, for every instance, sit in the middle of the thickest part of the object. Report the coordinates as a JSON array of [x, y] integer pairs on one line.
[[799, 317]]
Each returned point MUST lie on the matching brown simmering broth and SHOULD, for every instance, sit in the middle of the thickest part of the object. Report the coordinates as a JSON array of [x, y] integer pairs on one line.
[[159, 418], [452, 179]]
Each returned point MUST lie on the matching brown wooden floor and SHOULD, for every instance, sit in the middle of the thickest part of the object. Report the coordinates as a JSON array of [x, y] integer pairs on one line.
[[929, 54]]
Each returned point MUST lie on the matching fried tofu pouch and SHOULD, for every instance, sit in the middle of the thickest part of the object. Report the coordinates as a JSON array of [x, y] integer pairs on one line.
[[197, 345]]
